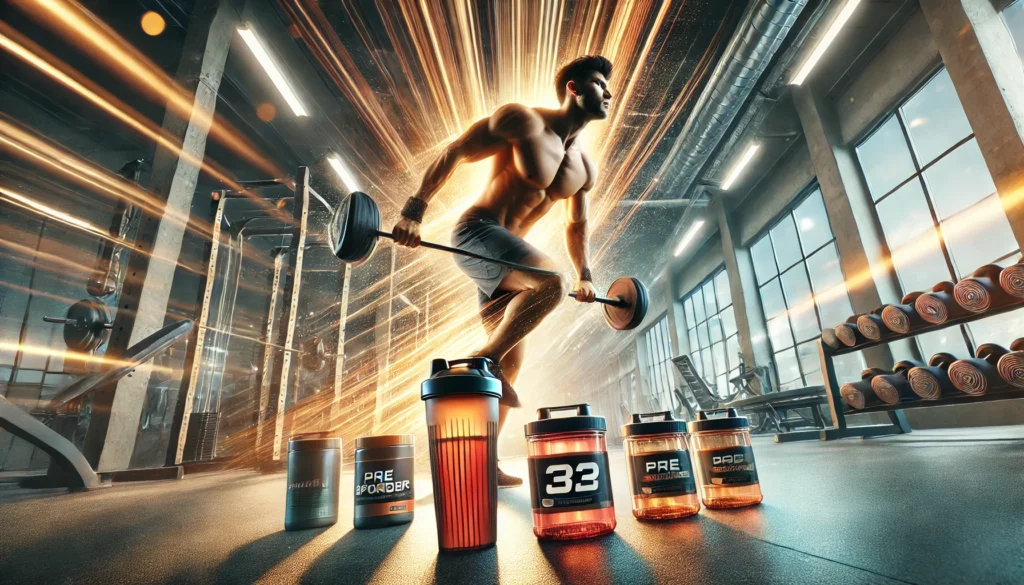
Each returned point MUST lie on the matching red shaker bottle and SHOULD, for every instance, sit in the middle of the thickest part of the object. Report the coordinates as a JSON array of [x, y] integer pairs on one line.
[[461, 398], [570, 489]]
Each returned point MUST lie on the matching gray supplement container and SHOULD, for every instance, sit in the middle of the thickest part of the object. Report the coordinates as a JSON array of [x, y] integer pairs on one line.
[[314, 470]]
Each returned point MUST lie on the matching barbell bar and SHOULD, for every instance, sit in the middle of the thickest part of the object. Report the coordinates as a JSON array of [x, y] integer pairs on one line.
[[354, 231]]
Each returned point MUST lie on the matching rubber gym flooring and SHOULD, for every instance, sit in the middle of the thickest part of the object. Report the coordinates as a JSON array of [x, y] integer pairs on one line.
[[930, 507]]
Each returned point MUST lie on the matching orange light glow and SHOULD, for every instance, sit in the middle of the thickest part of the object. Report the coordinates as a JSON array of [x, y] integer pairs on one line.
[[153, 24]]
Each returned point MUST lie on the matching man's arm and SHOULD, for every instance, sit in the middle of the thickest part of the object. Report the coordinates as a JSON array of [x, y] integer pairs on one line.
[[482, 140], [577, 236]]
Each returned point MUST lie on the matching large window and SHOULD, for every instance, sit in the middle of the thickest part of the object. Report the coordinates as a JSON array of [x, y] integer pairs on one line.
[[711, 328], [935, 200], [1013, 16], [658, 350], [802, 291]]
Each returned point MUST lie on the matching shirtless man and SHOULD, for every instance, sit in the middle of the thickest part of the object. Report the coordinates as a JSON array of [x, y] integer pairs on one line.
[[536, 163]]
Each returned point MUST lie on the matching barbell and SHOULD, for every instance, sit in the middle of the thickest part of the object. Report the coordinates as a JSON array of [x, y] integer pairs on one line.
[[88, 322], [354, 231]]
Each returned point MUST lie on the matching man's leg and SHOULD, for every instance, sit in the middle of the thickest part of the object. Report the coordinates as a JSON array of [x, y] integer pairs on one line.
[[534, 296], [510, 365]]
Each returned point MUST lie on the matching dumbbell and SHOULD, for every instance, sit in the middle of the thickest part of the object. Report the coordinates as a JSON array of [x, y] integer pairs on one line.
[[87, 325], [858, 395], [894, 388]]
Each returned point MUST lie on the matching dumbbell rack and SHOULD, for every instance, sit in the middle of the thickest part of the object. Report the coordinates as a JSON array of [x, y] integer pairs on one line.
[[898, 422]]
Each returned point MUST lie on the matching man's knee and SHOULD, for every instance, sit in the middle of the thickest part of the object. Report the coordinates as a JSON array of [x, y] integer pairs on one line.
[[556, 286]]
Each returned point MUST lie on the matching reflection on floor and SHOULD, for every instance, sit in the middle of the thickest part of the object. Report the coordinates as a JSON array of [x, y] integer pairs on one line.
[[930, 507]]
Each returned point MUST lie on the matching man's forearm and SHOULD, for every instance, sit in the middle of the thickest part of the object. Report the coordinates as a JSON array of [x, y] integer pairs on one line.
[[577, 245]]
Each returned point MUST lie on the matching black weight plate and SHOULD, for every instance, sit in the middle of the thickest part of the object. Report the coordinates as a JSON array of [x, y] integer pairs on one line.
[[353, 228], [86, 328]]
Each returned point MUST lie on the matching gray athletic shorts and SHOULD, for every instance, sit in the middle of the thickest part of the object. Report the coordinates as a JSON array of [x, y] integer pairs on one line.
[[478, 232]]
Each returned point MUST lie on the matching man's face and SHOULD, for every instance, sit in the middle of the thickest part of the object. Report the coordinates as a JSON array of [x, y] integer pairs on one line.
[[592, 95]]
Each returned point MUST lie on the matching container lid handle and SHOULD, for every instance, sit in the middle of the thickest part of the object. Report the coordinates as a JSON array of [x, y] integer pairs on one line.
[[665, 415], [581, 410], [729, 413]]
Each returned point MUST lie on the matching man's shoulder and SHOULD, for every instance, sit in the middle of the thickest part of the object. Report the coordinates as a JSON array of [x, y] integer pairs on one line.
[[516, 121], [589, 165]]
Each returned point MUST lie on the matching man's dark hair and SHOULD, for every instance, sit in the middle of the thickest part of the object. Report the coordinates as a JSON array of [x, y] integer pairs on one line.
[[577, 69]]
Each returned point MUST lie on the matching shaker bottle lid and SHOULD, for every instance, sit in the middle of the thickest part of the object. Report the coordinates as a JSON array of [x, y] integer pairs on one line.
[[465, 376], [731, 421], [378, 441], [313, 441], [582, 421], [665, 423]]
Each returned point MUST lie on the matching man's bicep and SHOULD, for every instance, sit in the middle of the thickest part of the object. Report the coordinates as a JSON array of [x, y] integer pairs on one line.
[[477, 142]]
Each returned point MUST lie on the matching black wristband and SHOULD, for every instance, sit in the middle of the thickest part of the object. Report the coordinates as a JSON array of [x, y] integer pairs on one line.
[[585, 275], [414, 209]]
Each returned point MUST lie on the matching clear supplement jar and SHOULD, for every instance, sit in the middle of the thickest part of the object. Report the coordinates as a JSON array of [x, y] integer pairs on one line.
[[384, 481], [724, 460], [314, 469], [570, 490], [658, 464]]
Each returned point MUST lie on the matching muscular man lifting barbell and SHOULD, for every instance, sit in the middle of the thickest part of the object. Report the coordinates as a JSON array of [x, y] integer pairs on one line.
[[536, 164]]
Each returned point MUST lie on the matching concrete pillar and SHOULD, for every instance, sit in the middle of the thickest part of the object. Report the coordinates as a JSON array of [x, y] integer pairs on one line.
[[986, 71], [750, 321], [863, 253], [143, 303]]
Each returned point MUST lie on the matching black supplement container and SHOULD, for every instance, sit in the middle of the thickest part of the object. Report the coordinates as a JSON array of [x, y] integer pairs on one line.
[[384, 481], [314, 469]]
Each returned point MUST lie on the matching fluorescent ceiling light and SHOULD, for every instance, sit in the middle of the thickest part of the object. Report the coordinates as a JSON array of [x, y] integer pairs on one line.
[[268, 65], [690, 233], [736, 170], [823, 44], [346, 176]]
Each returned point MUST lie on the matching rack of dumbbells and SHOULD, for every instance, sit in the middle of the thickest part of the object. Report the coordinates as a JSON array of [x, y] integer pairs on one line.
[[994, 373]]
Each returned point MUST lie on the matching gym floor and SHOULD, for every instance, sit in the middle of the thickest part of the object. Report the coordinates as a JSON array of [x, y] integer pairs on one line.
[[929, 507]]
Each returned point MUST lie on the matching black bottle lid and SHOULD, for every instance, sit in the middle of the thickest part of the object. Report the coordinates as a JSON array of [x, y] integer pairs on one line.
[[730, 422], [465, 376], [582, 421], [667, 424], [313, 441]]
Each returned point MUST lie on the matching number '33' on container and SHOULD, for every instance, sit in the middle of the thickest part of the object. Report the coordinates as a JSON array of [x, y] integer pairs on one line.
[[570, 489]]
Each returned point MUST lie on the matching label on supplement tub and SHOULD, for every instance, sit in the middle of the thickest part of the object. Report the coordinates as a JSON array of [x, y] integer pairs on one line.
[[733, 466], [570, 483], [385, 481], [663, 474], [311, 489]]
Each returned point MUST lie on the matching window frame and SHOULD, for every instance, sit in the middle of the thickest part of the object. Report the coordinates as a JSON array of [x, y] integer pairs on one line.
[[697, 323], [788, 212], [656, 357]]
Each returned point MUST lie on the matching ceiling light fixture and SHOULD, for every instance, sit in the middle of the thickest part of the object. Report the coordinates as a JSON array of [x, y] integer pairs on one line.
[[346, 176], [690, 233], [254, 44], [736, 170], [823, 44]]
